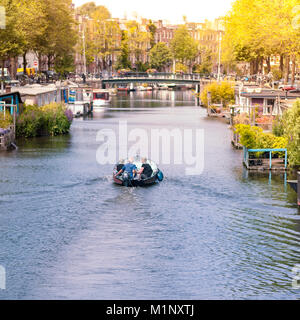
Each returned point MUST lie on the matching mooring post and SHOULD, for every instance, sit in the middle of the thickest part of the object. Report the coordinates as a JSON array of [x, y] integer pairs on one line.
[[285, 159], [208, 103], [298, 188], [198, 89], [14, 121]]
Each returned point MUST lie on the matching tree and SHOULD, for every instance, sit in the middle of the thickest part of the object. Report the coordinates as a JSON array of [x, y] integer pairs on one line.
[[10, 42], [103, 37], [206, 62], [258, 29], [87, 9], [138, 41], [160, 56], [151, 27], [100, 13], [44, 26], [184, 48], [123, 61], [22, 29], [64, 64], [60, 37]]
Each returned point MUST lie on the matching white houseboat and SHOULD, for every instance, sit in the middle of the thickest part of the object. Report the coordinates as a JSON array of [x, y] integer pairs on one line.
[[101, 98]]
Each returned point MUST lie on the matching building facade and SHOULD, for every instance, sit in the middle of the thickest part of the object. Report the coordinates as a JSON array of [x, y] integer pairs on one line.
[[206, 34]]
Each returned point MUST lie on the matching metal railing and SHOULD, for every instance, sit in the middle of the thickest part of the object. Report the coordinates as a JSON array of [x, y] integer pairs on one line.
[[12, 110], [270, 161], [157, 75]]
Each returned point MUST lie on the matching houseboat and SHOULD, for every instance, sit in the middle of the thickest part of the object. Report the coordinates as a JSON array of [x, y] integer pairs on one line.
[[267, 101], [101, 98]]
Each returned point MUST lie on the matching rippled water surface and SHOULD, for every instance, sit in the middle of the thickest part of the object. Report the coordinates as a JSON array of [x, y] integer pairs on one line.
[[66, 232]]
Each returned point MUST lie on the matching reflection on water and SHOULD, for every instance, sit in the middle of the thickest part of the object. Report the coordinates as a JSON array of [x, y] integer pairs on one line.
[[67, 232]]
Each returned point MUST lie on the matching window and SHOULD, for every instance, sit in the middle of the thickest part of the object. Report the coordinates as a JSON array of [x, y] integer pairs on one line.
[[102, 96]]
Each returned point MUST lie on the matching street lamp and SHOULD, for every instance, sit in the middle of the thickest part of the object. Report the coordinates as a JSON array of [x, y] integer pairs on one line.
[[84, 49], [220, 50]]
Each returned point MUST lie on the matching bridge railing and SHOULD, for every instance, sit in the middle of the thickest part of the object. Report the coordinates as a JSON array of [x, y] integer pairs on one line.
[[158, 75]]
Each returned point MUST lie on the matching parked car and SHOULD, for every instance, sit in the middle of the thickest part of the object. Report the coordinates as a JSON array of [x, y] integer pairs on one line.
[[287, 87], [8, 81], [50, 75], [295, 91], [24, 79]]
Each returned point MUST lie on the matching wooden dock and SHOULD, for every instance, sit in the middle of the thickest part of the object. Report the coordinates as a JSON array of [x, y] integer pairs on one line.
[[265, 164], [8, 138]]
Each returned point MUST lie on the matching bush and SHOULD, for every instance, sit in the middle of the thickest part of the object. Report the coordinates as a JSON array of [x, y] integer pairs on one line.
[[220, 93], [288, 127], [7, 121], [278, 127], [52, 119], [242, 118], [249, 136], [255, 138]]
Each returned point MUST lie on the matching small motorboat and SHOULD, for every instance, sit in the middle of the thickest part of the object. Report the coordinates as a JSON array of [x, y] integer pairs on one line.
[[125, 180]]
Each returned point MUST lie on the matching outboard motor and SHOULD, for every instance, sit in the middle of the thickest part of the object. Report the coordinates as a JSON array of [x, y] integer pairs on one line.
[[160, 176], [126, 179]]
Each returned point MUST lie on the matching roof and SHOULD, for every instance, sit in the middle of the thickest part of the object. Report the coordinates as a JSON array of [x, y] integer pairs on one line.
[[272, 94], [34, 90], [7, 95]]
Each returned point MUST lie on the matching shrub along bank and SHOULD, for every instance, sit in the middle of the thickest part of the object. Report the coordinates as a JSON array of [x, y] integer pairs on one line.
[[286, 134], [53, 119]]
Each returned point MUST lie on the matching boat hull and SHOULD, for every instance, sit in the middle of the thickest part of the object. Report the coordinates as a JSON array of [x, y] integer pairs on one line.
[[137, 183]]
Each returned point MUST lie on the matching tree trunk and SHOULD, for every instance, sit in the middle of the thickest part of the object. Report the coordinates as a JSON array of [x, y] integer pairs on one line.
[[2, 67], [262, 65], [49, 61], [40, 62], [293, 68], [287, 69], [14, 66], [269, 64], [256, 64], [24, 63], [251, 67], [281, 64]]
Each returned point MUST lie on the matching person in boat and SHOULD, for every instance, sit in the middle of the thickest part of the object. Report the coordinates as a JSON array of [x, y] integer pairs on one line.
[[146, 170], [130, 168], [120, 165]]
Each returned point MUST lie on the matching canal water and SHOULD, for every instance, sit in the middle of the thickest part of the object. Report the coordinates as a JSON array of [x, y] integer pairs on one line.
[[67, 232]]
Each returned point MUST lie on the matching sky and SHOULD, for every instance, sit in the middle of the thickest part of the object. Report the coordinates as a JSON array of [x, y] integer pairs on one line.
[[170, 10]]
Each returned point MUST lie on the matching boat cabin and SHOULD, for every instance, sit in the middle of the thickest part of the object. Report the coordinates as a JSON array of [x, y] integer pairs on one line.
[[100, 95]]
